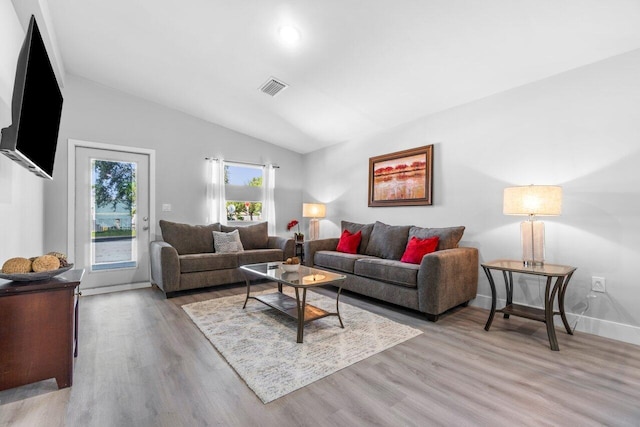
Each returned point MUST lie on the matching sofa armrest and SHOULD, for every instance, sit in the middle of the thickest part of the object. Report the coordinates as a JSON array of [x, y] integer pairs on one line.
[[165, 266], [312, 246], [287, 246], [447, 279]]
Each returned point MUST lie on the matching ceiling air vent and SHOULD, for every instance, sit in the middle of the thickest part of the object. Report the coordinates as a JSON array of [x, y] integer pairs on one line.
[[273, 86]]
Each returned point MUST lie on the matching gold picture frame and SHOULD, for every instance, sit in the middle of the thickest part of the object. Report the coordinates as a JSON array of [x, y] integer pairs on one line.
[[403, 178]]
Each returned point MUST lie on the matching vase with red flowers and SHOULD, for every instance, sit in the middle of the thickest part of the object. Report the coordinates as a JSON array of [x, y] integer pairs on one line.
[[297, 234]]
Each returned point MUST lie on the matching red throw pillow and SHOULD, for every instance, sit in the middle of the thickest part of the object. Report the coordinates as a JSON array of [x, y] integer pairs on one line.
[[417, 248], [349, 242]]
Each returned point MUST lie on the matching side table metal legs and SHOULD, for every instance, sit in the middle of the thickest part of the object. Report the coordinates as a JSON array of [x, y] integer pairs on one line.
[[548, 313], [493, 298], [561, 292], [508, 284], [551, 290], [559, 288]]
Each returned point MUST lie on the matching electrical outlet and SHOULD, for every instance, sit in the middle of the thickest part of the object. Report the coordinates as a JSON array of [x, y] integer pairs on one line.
[[166, 207], [598, 284]]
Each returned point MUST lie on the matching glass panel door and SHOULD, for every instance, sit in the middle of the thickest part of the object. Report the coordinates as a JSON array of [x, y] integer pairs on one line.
[[113, 214]]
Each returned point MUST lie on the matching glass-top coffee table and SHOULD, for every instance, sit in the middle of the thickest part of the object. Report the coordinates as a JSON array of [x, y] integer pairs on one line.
[[302, 279]]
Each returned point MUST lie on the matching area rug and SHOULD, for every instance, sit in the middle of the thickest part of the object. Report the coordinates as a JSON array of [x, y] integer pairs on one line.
[[260, 342]]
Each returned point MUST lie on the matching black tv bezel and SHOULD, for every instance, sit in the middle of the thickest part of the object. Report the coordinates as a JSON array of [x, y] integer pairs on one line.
[[9, 140]]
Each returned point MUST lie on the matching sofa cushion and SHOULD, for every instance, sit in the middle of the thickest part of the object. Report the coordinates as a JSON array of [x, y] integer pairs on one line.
[[226, 243], [254, 256], [254, 236], [449, 236], [349, 242], [417, 248], [354, 227], [336, 260], [388, 270], [188, 239], [388, 241], [207, 261]]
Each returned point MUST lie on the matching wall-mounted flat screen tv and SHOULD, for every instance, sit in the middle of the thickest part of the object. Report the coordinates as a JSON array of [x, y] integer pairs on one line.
[[36, 108]]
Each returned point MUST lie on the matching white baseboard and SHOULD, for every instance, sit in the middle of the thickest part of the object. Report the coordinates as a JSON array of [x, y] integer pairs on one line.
[[590, 325], [115, 288]]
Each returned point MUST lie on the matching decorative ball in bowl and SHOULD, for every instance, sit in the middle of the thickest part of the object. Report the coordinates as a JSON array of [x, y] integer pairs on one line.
[[19, 269], [291, 264], [290, 267]]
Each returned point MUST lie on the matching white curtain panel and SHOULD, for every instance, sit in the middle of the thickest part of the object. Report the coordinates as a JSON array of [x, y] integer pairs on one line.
[[221, 205], [215, 192], [269, 206]]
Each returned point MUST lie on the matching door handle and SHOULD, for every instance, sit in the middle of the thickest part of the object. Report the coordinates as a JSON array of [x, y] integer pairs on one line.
[[146, 227], [146, 218]]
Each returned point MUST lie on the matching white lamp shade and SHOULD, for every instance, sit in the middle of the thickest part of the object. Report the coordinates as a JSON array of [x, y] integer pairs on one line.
[[543, 200], [313, 210]]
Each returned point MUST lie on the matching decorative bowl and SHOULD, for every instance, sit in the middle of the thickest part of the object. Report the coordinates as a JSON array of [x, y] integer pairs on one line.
[[290, 267], [40, 275]]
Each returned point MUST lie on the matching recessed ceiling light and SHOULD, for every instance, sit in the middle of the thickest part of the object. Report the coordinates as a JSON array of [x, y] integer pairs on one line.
[[289, 34]]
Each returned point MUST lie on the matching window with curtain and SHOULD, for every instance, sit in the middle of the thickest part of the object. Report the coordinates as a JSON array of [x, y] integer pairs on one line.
[[241, 193]]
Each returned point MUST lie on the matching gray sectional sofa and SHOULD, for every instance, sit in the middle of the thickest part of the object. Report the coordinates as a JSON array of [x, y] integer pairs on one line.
[[185, 258], [444, 279]]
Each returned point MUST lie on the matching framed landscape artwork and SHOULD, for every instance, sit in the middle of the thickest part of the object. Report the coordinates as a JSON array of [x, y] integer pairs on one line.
[[403, 178]]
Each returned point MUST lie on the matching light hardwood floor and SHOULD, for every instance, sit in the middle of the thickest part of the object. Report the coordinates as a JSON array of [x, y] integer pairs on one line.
[[142, 362]]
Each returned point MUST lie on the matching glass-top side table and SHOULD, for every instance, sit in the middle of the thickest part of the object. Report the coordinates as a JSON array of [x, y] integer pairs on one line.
[[562, 275]]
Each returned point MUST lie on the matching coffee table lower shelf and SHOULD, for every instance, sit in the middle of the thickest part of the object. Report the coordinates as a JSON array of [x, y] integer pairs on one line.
[[288, 305], [300, 280]]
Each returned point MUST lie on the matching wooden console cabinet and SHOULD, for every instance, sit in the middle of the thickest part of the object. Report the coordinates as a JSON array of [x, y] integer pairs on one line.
[[38, 330]]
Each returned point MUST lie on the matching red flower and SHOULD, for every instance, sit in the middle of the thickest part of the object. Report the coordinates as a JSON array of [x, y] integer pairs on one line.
[[292, 224]]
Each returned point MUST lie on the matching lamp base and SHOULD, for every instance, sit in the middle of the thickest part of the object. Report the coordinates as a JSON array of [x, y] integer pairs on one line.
[[314, 229], [532, 239]]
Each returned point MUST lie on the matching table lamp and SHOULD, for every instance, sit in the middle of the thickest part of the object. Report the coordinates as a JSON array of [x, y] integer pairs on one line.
[[313, 211], [532, 200]]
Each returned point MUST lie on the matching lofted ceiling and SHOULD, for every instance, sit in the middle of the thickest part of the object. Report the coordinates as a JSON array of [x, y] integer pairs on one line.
[[360, 66]]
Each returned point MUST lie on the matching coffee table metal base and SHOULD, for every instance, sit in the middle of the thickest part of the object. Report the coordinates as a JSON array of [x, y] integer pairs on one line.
[[301, 279], [296, 308]]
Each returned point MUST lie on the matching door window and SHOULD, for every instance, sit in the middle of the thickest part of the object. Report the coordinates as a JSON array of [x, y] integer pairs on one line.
[[113, 214]]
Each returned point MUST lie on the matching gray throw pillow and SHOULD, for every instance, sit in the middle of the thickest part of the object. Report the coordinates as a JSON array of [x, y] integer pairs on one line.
[[188, 239], [449, 236], [254, 236], [227, 243], [354, 227], [388, 241]]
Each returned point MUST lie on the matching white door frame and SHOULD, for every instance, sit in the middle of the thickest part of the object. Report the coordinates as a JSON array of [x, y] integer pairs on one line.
[[71, 184]]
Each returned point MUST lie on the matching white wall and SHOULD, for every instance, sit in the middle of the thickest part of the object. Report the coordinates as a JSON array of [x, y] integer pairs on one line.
[[580, 130], [21, 205], [99, 114]]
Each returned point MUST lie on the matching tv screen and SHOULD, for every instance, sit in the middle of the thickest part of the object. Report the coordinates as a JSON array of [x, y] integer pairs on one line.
[[36, 108]]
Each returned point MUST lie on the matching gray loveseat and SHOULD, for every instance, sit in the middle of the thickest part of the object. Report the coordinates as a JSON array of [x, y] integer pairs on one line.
[[185, 258], [444, 279]]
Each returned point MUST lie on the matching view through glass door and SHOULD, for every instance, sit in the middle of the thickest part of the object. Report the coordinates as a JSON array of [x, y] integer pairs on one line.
[[112, 216]]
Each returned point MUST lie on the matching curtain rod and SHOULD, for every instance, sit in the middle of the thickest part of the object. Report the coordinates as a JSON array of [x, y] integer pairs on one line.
[[242, 163]]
